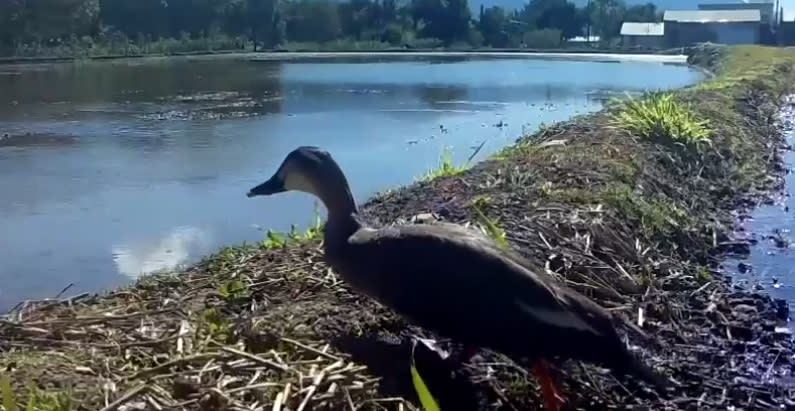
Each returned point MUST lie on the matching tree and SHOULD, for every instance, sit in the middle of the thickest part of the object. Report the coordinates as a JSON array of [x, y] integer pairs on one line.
[[493, 23], [12, 22], [133, 17], [447, 20], [260, 18], [313, 21], [49, 20], [562, 16], [552, 14], [606, 17], [646, 13], [356, 16], [273, 22]]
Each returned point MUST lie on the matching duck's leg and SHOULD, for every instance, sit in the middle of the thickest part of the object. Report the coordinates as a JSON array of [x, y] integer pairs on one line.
[[549, 392]]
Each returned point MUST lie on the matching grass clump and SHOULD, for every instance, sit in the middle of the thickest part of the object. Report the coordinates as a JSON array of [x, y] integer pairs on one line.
[[660, 118], [275, 239], [37, 400], [657, 216], [446, 167]]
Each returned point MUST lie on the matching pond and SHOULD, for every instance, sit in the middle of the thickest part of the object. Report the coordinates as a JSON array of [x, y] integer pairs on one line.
[[113, 169]]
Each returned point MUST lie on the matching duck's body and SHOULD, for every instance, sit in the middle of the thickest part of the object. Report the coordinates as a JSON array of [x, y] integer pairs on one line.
[[461, 285], [454, 281]]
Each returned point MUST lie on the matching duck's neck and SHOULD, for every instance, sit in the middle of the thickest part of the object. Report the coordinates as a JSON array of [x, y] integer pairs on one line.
[[338, 201], [342, 212]]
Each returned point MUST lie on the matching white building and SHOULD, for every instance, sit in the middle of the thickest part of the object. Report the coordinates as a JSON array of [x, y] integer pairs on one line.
[[685, 27], [643, 34]]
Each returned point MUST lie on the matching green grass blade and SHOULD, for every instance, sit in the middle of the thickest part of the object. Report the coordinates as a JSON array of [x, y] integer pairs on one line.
[[9, 399], [426, 398]]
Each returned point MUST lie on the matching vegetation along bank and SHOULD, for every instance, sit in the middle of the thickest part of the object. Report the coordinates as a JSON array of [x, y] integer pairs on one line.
[[631, 206], [108, 28]]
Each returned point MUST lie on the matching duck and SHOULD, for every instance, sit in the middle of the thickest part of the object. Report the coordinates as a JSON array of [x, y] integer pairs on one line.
[[458, 283]]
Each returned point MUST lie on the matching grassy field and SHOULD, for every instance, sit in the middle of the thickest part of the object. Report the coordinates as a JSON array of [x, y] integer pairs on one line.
[[630, 205]]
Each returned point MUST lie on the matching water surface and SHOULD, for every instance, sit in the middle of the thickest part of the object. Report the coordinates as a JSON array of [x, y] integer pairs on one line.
[[769, 228], [113, 169]]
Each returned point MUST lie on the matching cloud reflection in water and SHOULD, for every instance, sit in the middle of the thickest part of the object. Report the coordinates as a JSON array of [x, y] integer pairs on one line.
[[171, 251]]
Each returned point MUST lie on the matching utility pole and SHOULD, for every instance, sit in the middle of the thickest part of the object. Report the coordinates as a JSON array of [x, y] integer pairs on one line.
[[776, 18], [588, 23]]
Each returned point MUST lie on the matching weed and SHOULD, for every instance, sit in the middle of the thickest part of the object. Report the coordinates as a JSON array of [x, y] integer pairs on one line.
[[218, 327], [227, 257], [703, 274], [658, 216], [481, 201], [233, 289], [491, 228], [445, 168], [314, 232], [273, 239], [546, 188], [660, 118], [523, 148], [37, 400]]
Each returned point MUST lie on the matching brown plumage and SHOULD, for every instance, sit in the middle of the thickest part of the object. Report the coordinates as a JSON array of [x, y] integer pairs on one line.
[[455, 281]]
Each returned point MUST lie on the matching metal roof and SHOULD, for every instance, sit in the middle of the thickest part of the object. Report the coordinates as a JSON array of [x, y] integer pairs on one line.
[[642, 29], [712, 16], [737, 6], [733, 6]]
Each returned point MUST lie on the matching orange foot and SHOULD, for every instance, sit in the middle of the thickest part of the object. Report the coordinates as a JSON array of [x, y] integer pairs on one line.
[[549, 392]]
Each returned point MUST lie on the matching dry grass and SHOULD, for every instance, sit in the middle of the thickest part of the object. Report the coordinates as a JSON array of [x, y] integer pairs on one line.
[[187, 340]]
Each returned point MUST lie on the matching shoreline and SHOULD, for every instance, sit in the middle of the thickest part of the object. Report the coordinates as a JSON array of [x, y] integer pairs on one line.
[[629, 222], [609, 54], [583, 56]]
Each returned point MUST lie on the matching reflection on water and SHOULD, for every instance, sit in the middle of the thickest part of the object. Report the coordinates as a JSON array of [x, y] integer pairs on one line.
[[135, 149], [36, 139], [167, 253]]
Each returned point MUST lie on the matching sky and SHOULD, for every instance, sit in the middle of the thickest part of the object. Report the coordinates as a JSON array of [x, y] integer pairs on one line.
[[789, 9]]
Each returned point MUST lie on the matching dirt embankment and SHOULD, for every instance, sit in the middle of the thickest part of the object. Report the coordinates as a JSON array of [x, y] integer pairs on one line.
[[639, 224]]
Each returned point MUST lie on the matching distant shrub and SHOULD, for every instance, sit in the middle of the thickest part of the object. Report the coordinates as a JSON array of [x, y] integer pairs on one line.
[[543, 39], [392, 34], [426, 43], [476, 38], [660, 118], [115, 43]]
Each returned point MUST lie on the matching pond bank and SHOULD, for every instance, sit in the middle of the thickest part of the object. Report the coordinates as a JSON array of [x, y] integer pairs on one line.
[[639, 226], [604, 56]]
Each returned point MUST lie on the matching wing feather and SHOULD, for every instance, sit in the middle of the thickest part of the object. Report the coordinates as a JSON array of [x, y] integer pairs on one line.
[[504, 281]]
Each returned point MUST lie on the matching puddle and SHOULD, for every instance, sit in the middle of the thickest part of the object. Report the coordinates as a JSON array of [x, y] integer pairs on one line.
[[765, 253]]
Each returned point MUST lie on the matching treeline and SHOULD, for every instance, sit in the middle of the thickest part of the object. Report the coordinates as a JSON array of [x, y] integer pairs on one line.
[[167, 26]]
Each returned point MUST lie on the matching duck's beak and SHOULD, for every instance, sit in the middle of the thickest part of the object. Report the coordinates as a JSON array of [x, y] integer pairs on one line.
[[272, 186]]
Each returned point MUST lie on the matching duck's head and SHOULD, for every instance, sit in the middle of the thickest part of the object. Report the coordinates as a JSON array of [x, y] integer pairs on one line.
[[308, 169]]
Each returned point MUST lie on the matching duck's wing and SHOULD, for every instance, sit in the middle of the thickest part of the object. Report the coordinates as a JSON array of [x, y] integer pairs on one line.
[[458, 282]]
